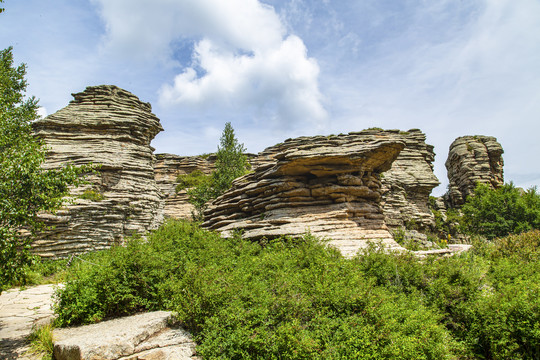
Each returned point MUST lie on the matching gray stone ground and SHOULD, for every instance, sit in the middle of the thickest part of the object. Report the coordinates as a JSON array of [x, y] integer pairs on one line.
[[19, 311]]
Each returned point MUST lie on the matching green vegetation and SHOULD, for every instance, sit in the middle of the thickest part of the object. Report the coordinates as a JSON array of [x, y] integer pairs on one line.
[[497, 213], [193, 179], [297, 299], [25, 187], [92, 195], [231, 163], [41, 342]]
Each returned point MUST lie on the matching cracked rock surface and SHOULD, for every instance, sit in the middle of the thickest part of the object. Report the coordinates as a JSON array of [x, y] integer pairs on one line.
[[137, 337], [19, 311]]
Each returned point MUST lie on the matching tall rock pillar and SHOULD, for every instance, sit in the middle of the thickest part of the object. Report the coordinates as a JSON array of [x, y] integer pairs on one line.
[[112, 128], [472, 160]]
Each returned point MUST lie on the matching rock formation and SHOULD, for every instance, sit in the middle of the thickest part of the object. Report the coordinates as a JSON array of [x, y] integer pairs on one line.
[[167, 168], [407, 185], [472, 160], [326, 185], [111, 127]]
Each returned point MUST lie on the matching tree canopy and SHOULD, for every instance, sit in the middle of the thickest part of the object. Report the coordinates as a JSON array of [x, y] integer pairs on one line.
[[26, 188], [503, 211]]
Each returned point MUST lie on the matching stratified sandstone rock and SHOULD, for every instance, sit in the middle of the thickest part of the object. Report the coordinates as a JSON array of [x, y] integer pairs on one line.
[[142, 336], [109, 126], [409, 182], [405, 187], [328, 186], [472, 160], [167, 168]]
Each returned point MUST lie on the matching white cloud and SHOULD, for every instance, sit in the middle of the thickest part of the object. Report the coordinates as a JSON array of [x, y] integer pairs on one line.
[[242, 57], [41, 112]]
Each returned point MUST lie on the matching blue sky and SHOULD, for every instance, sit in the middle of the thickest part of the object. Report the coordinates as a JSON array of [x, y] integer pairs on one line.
[[285, 68]]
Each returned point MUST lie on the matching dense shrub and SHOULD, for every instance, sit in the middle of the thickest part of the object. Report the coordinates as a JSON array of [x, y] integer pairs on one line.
[[297, 299], [506, 210]]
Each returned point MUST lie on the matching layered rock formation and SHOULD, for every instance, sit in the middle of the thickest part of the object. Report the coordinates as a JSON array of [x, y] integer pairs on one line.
[[167, 169], [111, 127], [409, 182], [328, 186], [472, 160], [406, 186]]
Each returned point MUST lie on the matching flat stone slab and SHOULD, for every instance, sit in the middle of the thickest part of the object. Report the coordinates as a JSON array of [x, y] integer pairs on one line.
[[19, 311], [147, 336]]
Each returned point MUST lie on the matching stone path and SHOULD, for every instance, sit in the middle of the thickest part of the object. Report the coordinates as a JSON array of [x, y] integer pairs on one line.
[[19, 311]]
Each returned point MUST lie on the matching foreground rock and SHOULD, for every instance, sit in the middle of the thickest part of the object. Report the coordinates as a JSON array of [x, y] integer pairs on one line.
[[138, 337], [167, 169], [328, 186], [111, 127], [20, 310], [472, 160]]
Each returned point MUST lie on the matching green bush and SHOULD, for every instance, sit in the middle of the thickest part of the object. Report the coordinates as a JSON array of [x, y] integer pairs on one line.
[[193, 179], [297, 299], [497, 213], [92, 195]]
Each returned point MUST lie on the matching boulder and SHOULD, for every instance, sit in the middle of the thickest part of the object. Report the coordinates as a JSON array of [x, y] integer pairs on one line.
[[112, 128], [472, 160], [143, 336], [328, 186]]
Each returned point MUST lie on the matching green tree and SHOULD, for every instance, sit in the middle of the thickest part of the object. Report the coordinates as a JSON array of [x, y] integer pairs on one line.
[[231, 163], [26, 188], [506, 210]]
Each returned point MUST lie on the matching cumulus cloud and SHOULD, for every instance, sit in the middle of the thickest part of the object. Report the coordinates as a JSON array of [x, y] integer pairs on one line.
[[242, 55]]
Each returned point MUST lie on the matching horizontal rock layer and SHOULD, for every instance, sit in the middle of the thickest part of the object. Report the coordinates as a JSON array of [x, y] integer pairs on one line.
[[407, 185], [472, 160], [112, 128], [328, 186]]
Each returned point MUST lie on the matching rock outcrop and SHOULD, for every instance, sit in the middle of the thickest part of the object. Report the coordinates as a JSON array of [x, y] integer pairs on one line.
[[472, 160], [326, 185], [167, 169], [142, 336], [112, 128], [407, 185]]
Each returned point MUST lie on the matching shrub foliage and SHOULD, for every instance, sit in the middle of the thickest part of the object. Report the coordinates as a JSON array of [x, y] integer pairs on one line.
[[497, 213], [297, 299]]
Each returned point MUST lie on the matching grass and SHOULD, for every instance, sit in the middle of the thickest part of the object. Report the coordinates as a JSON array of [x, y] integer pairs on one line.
[[41, 342]]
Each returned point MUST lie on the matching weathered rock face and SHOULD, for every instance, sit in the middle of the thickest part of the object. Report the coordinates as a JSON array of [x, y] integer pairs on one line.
[[109, 126], [407, 185], [167, 168], [141, 336], [328, 186], [472, 160]]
